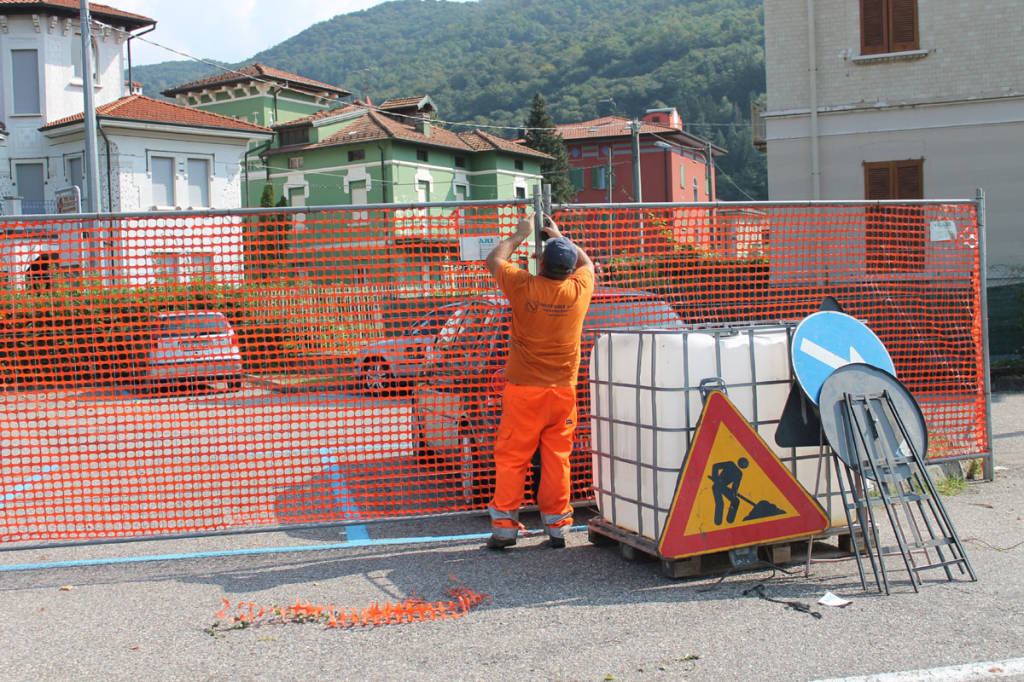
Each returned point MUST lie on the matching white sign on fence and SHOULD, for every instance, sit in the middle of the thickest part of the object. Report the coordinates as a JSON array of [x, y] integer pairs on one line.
[[477, 248], [943, 230]]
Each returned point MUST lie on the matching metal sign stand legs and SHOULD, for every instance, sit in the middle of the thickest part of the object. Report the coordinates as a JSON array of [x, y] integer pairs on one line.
[[889, 463]]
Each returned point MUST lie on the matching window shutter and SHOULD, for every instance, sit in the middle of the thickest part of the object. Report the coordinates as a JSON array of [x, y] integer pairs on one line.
[[909, 180], [903, 25], [576, 177], [877, 183], [873, 27]]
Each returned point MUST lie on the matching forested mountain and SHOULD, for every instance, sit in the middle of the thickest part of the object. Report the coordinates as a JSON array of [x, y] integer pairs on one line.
[[482, 62]]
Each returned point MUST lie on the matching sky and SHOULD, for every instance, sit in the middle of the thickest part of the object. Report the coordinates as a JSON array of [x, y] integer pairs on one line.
[[227, 30]]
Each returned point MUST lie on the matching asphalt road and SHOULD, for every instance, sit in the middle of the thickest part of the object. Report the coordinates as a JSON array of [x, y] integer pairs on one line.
[[582, 613], [179, 461]]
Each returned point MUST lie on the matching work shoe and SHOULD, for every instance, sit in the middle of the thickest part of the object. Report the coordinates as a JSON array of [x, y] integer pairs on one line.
[[495, 542], [556, 543]]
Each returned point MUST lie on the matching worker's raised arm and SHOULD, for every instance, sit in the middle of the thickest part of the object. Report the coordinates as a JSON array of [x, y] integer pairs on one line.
[[506, 247]]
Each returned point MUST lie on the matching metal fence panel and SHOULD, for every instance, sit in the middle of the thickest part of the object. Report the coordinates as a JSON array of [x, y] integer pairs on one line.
[[181, 373]]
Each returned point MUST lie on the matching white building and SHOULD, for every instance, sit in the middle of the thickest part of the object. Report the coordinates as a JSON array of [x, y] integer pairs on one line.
[[153, 155], [900, 99]]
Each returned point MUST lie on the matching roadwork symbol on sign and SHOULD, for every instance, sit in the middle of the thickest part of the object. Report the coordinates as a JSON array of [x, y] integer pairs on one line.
[[733, 491]]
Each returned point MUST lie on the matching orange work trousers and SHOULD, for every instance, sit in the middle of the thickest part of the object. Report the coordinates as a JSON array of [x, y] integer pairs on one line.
[[532, 416]]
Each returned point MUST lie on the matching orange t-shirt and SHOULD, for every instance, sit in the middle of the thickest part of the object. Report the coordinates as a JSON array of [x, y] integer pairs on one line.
[[547, 321]]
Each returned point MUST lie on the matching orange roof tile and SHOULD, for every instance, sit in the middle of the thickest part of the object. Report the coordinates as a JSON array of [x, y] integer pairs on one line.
[[142, 108], [326, 113], [481, 141], [377, 126], [618, 126], [257, 71], [70, 8]]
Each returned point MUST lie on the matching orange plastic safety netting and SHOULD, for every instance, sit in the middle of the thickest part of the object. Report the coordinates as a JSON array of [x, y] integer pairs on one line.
[[193, 373]]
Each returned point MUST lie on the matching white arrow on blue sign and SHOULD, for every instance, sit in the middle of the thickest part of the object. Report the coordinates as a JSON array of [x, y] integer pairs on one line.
[[828, 340]]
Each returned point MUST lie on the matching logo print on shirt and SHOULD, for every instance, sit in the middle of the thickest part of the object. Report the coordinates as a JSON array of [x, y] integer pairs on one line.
[[531, 306], [568, 422]]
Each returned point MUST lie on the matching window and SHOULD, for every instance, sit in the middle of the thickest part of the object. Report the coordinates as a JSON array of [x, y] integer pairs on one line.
[[894, 236], [461, 193], [290, 136], [161, 168], [519, 164], [76, 178], [76, 58], [201, 266], [356, 154], [696, 190], [682, 175], [167, 267], [520, 192], [460, 161], [296, 162], [29, 177], [576, 178], [888, 26], [25, 76], [421, 155], [423, 190], [198, 182], [597, 177], [170, 267]]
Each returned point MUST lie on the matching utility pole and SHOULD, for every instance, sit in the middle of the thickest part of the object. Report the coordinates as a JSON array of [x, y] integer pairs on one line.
[[710, 170], [608, 173], [634, 127], [92, 159]]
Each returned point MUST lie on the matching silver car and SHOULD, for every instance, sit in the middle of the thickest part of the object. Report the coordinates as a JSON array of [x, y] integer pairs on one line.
[[192, 346], [383, 364]]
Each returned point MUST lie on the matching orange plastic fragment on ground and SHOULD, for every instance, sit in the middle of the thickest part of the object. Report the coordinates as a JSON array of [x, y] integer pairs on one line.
[[413, 609]]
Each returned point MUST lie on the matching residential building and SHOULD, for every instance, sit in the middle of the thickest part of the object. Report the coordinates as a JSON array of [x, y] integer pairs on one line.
[[262, 95], [394, 152], [153, 155], [903, 99], [675, 166], [258, 93]]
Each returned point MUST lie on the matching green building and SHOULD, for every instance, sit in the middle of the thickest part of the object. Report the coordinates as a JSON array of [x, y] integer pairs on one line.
[[394, 152], [259, 94], [327, 153]]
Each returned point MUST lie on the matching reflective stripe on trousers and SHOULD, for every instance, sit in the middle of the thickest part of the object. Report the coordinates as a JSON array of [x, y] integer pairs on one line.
[[532, 416]]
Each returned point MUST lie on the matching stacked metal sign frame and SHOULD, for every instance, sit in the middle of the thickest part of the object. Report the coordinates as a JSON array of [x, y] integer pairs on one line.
[[879, 439]]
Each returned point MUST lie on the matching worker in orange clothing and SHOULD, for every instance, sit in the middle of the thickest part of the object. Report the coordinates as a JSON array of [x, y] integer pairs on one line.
[[539, 402]]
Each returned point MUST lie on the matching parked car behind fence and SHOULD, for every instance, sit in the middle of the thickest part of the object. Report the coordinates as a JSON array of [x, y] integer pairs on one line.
[[457, 401]]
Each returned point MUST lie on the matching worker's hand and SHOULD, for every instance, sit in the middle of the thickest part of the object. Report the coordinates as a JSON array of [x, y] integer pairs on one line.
[[550, 227], [525, 228]]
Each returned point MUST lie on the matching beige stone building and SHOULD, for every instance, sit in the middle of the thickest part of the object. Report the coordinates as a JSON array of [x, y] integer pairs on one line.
[[901, 99]]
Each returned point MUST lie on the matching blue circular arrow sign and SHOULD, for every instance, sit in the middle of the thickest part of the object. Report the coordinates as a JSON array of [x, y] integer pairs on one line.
[[828, 340]]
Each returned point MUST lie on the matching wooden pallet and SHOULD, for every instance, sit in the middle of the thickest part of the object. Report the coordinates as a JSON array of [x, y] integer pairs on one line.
[[635, 547]]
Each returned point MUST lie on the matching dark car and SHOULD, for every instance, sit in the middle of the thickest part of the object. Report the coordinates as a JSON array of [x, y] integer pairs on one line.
[[457, 400]]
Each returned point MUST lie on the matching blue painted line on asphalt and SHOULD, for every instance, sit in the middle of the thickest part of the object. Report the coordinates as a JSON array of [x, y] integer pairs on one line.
[[248, 552], [27, 485], [342, 497]]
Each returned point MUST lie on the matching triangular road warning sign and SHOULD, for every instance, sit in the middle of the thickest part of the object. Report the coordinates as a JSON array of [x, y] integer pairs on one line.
[[733, 491]]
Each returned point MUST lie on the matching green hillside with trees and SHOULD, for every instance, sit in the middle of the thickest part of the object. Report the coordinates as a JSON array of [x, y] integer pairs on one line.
[[482, 62]]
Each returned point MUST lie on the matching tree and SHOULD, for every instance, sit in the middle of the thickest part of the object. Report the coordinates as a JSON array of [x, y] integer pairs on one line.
[[540, 135]]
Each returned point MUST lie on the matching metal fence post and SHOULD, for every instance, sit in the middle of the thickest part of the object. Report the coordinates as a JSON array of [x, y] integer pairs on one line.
[[538, 221], [988, 461]]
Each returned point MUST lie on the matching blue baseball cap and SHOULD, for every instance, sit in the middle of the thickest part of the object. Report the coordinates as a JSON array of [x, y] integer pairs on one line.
[[559, 256]]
